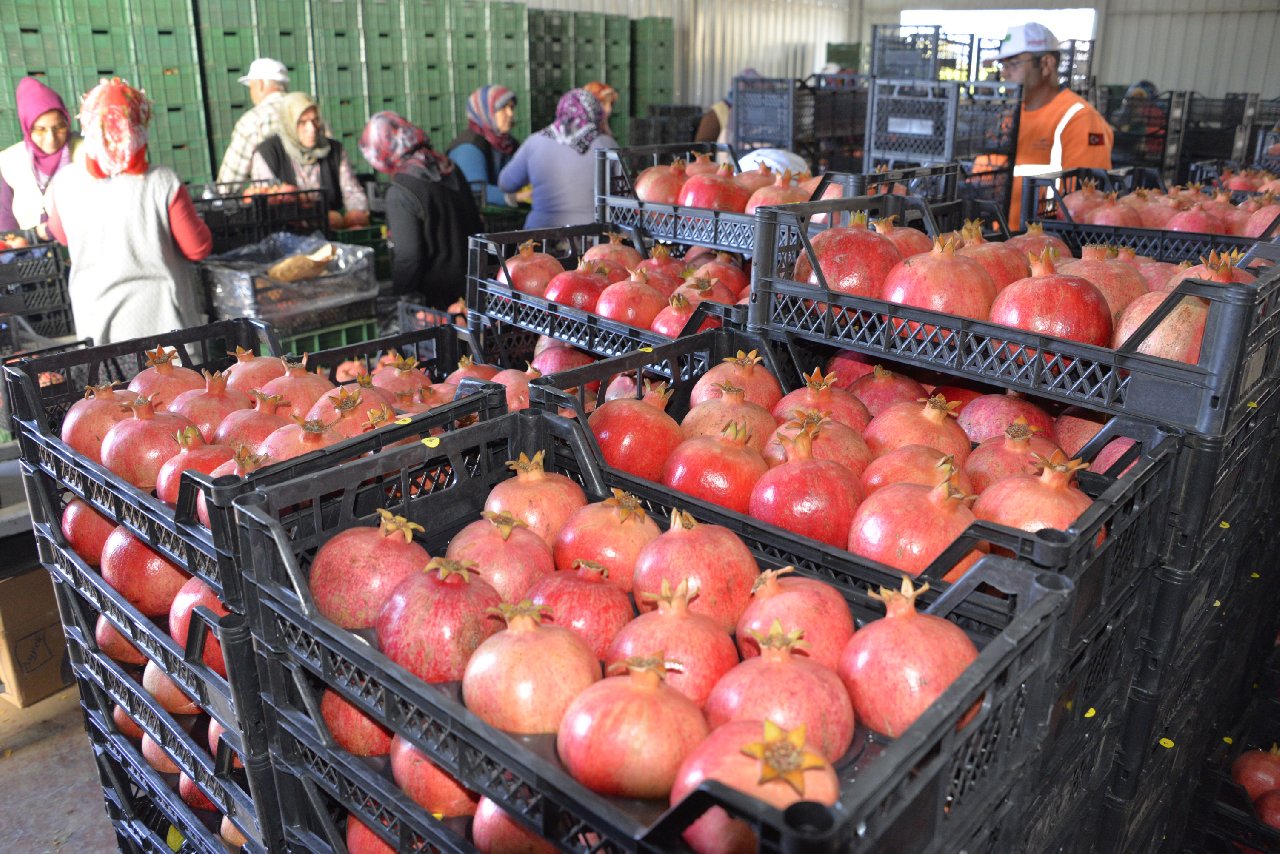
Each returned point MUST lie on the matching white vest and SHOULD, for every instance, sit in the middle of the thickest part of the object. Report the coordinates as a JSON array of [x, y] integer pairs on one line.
[[19, 173]]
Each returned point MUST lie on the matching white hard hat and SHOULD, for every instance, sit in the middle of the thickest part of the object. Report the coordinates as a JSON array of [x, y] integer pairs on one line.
[[266, 69], [1027, 38]]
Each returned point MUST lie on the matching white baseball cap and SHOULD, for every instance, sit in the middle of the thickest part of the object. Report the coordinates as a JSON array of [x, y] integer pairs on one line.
[[1027, 38], [266, 69]]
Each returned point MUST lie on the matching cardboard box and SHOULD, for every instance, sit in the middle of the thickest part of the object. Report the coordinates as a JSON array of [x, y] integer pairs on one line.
[[33, 653]]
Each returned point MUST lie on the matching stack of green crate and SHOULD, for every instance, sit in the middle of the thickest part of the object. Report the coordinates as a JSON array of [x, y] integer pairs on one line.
[[426, 50], [617, 73], [227, 48], [509, 58], [32, 45], [551, 52], [384, 53], [588, 47], [653, 51], [339, 69], [469, 54], [284, 34]]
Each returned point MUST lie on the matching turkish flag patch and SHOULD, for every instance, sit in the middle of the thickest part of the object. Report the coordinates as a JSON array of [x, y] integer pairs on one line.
[[1095, 139]]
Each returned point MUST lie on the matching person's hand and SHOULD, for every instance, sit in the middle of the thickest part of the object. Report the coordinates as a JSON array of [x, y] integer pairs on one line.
[[525, 195], [42, 231]]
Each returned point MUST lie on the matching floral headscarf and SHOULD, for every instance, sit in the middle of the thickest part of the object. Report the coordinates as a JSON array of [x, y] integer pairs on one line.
[[578, 118], [607, 96], [394, 145], [290, 110], [113, 119], [483, 104], [34, 100]]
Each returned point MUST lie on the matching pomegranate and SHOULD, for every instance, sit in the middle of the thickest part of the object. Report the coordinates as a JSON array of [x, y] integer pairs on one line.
[[140, 575], [580, 288], [610, 533], [813, 607], [192, 594], [1260, 222], [114, 645], [430, 787], [660, 185], [138, 447], [727, 272], [907, 527], [495, 832], [941, 281], [353, 730], [849, 367], [506, 553], [251, 426], [435, 618], [295, 440], [1257, 771], [913, 424], [85, 530], [251, 371], [1031, 502], [661, 262], [194, 455], [1003, 264], [819, 393], [355, 571], [192, 795], [1075, 427], [530, 271], [719, 469], [163, 379], [632, 301], [156, 756], [998, 457], [762, 760], [523, 678], [298, 389], [1050, 303], [698, 289], [400, 377], [671, 321], [744, 371], [1267, 807], [780, 192], [709, 556], [702, 165], [1118, 283], [636, 436], [171, 697], [960, 395], [895, 667], [1215, 268], [701, 646], [88, 420], [128, 726], [615, 250], [231, 835], [987, 416], [244, 462], [914, 464], [542, 500], [853, 260], [1079, 202], [810, 497], [883, 388], [216, 731], [553, 360], [832, 440], [714, 190], [345, 411], [761, 176], [207, 407], [1178, 336], [709, 417], [468, 368], [1111, 212], [1034, 241], [581, 600], [1196, 219], [908, 241], [516, 383]]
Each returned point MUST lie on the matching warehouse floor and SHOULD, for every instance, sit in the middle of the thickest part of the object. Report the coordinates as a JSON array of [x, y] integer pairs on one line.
[[51, 799]]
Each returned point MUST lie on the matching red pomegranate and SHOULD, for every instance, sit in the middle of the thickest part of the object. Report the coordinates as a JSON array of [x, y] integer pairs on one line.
[[941, 281], [542, 500], [698, 289], [1014, 452], [114, 645], [719, 469], [343, 410], [1111, 212], [819, 393], [780, 192], [671, 321], [207, 407], [960, 395], [1002, 263], [626, 736], [251, 371], [144, 578], [523, 678], [355, 571], [85, 530], [811, 606], [832, 440], [914, 424], [715, 190], [854, 260], [702, 165], [895, 667], [762, 760], [128, 726], [298, 389], [244, 462], [1260, 222], [171, 697], [907, 527], [1118, 283], [1031, 502], [194, 455], [920, 464], [708, 556], [89, 419], [581, 599], [298, 439], [530, 270], [883, 388], [632, 301], [506, 553], [353, 730], [701, 646], [660, 185], [1050, 303], [430, 787], [579, 288], [761, 176], [908, 241], [1075, 427], [156, 756], [1196, 219], [810, 497], [1178, 337], [216, 731], [516, 383], [163, 379], [709, 417], [1215, 268], [636, 436], [988, 415], [469, 368], [251, 426], [435, 618], [616, 251], [192, 594], [724, 269], [1079, 202], [495, 832], [1034, 241], [661, 262], [137, 448], [849, 367], [746, 371], [610, 533], [1257, 771], [399, 377], [360, 839]]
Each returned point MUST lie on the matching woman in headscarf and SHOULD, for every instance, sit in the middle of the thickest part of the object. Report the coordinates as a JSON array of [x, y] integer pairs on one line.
[[717, 122], [303, 155], [487, 144], [559, 161], [608, 97], [130, 227], [1140, 126], [27, 167], [430, 210]]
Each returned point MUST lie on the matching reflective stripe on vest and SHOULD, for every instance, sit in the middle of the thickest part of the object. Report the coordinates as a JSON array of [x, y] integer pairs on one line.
[[1055, 153]]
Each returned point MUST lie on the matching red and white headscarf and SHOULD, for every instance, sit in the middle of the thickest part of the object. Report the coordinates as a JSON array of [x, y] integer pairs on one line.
[[394, 145], [113, 119]]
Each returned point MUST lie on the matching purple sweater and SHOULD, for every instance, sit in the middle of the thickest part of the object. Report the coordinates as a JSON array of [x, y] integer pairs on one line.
[[563, 180]]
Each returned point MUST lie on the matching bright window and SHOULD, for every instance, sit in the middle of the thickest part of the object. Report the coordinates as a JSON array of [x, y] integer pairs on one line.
[[994, 23]]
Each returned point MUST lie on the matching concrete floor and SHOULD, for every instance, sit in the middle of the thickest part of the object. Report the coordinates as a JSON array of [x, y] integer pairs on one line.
[[50, 799]]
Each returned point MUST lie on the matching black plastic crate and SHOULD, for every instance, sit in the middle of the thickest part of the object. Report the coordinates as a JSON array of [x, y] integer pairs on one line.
[[176, 533], [839, 105], [921, 52], [487, 298], [773, 112], [40, 262], [38, 296], [497, 343], [238, 218], [1129, 508], [1148, 131], [889, 798], [925, 122], [1238, 359]]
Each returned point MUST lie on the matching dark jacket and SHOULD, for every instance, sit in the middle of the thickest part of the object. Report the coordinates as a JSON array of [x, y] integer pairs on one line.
[[278, 161], [430, 222]]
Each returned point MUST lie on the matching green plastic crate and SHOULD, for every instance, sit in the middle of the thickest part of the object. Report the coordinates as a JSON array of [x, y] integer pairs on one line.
[[551, 22], [290, 46], [338, 81], [588, 26], [32, 13], [165, 46], [508, 18], [345, 117], [468, 48], [341, 335], [91, 13], [653, 29], [552, 81], [283, 16], [99, 48], [508, 48], [384, 48], [227, 15], [223, 116], [398, 104], [223, 47], [177, 122], [338, 47], [223, 84], [161, 14], [426, 16], [386, 80], [190, 160], [617, 28], [382, 15], [433, 77], [335, 15], [621, 127], [170, 86], [432, 109], [513, 75], [468, 17], [56, 78], [39, 45]]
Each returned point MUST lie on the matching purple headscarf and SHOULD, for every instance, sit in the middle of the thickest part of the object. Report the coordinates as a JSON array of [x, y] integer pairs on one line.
[[34, 100], [578, 119]]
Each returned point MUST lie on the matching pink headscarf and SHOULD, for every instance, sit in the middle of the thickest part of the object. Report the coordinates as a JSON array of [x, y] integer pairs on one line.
[[34, 100], [114, 118]]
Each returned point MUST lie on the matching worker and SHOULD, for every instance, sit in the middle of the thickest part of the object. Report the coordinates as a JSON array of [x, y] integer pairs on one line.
[[27, 167], [487, 144], [717, 122], [608, 97], [268, 81], [1057, 128], [1140, 127]]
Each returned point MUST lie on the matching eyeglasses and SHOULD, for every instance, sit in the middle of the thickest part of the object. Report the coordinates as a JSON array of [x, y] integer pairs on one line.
[[1016, 61]]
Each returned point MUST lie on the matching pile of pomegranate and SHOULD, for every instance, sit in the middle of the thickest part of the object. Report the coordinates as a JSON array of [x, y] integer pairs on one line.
[[613, 281], [1257, 771], [1189, 209], [704, 184], [656, 659]]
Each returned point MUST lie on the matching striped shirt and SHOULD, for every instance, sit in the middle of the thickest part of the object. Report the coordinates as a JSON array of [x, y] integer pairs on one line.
[[249, 132]]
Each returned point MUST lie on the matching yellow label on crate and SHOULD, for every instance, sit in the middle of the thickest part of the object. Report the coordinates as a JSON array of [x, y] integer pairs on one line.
[[1166, 742], [1253, 404], [174, 839], [1224, 524], [431, 442], [1217, 603], [1254, 575], [1091, 712], [1227, 739], [645, 349], [404, 419]]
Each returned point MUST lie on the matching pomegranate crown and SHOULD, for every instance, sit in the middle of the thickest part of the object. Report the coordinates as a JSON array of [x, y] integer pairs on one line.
[[816, 418], [265, 400], [505, 522], [524, 610], [939, 402], [776, 638], [897, 600], [1020, 429], [769, 578], [727, 387], [390, 525], [747, 359], [737, 432], [657, 389], [528, 247], [885, 224], [364, 380], [524, 464], [817, 382], [783, 756], [404, 364], [1058, 462], [312, 426], [656, 663], [188, 436], [661, 252], [242, 354], [346, 399], [590, 568], [293, 363], [682, 520], [684, 591], [444, 567], [678, 301], [104, 390], [628, 506], [378, 416], [246, 460], [161, 356]]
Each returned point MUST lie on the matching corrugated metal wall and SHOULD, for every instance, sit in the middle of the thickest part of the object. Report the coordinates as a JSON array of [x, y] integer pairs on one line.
[[1208, 46], [715, 39]]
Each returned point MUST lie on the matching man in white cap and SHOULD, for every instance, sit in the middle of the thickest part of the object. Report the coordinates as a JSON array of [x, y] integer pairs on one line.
[[1058, 129], [268, 80]]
